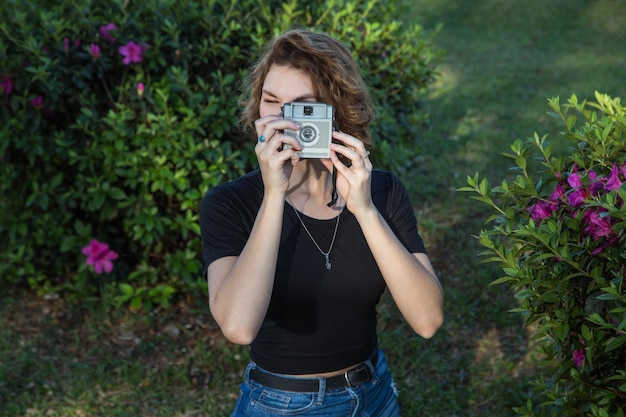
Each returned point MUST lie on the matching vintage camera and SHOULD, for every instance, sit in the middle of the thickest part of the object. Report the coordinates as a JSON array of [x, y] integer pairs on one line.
[[316, 127]]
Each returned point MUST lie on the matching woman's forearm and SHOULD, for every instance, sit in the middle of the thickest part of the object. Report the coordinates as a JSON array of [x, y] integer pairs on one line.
[[240, 287], [410, 277]]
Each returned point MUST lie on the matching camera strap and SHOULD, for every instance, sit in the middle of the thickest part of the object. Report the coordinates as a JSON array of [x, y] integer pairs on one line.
[[334, 196]]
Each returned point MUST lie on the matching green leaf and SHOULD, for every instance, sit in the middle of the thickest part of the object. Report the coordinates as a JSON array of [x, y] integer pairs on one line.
[[126, 289], [56, 181], [68, 243], [484, 187], [502, 280], [512, 272], [561, 331], [614, 343], [116, 193]]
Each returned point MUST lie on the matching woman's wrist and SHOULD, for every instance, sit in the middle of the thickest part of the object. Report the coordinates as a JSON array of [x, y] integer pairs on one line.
[[367, 215], [274, 200]]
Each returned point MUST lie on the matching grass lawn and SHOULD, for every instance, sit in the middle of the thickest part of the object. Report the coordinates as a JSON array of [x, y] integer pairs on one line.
[[503, 60]]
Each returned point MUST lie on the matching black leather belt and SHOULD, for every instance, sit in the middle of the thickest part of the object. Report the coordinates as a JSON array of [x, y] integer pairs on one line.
[[351, 378]]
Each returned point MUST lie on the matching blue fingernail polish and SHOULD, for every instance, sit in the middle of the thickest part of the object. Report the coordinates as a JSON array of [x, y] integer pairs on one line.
[[261, 138]]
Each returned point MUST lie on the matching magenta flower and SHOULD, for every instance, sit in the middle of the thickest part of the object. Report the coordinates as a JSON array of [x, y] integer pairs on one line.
[[105, 31], [94, 50], [574, 180], [132, 52], [6, 85], [579, 357], [99, 256], [140, 89], [598, 226], [37, 102], [613, 182], [557, 194], [577, 196], [541, 210], [595, 184]]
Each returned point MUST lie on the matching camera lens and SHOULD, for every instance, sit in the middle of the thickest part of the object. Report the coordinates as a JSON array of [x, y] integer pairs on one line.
[[308, 134]]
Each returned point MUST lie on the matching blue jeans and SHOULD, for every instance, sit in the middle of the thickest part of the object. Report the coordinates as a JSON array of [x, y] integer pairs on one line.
[[376, 398]]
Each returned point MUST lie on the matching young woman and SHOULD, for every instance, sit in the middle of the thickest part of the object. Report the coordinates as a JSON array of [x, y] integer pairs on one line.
[[298, 278]]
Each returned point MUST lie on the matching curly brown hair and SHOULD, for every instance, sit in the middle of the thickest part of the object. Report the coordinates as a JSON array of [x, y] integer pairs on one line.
[[334, 73]]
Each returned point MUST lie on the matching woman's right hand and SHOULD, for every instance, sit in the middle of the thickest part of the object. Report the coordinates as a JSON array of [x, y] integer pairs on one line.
[[275, 160]]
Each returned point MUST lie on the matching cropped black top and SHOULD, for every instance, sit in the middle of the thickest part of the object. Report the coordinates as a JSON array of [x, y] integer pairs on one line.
[[319, 320]]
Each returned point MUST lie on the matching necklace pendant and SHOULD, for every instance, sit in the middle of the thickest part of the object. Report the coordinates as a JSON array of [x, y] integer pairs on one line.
[[332, 242]]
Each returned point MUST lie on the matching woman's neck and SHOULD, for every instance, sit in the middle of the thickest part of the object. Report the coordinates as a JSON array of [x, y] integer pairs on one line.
[[311, 190]]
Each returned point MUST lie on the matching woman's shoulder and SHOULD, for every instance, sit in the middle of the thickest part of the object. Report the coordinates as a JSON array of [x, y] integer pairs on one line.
[[384, 179], [245, 190], [246, 184], [388, 190]]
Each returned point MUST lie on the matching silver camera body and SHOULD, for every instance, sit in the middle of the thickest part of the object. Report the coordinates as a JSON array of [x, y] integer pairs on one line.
[[316, 127]]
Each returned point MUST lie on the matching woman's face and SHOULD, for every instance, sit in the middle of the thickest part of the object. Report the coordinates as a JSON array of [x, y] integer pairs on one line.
[[282, 85]]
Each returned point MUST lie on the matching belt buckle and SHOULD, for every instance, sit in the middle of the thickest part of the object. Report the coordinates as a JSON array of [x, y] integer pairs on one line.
[[354, 371], [346, 376]]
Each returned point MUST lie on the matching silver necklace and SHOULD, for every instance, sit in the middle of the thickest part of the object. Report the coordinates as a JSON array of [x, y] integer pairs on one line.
[[332, 242]]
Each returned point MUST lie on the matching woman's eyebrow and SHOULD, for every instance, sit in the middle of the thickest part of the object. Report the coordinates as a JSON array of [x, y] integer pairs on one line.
[[304, 97], [300, 98], [269, 93]]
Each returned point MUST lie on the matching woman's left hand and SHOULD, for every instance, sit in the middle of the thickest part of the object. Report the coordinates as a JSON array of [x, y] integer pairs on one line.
[[353, 182]]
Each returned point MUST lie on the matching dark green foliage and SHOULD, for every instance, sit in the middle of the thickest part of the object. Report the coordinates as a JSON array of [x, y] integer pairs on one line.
[[88, 153]]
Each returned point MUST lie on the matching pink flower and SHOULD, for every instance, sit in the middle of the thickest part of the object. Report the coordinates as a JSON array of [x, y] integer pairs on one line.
[[132, 52], [105, 31], [140, 89], [37, 102], [541, 210], [94, 50], [577, 197], [613, 182], [99, 256], [557, 194], [598, 226], [6, 85], [595, 185], [574, 180], [579, 357]]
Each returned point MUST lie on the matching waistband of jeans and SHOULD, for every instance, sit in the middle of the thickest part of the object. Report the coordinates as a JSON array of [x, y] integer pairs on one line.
[[351, 378]]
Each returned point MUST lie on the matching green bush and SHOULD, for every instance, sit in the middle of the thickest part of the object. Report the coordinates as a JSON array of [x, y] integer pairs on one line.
[[559, 236], [116, 117]]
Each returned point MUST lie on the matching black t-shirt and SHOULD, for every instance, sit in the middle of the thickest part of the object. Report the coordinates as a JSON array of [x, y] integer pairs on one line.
[[319, 320]]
